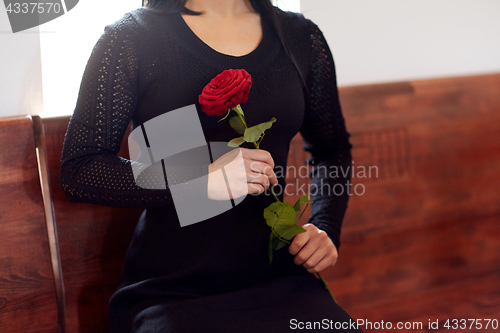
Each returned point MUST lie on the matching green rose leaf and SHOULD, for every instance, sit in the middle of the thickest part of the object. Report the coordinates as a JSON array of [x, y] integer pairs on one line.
[[304, 198], [278, 244], [270, 247], [253, 134], [281, 217], [267, 125], [279, 214], [236, 142], [274, 244], [236, 124], [289, 231]]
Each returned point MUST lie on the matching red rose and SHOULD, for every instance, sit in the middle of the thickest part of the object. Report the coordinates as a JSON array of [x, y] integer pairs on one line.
[[225, 91]]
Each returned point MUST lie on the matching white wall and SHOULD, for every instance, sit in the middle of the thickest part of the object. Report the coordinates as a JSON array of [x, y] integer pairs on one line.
[[20, 70], [290, 5], [394, 40], [372, 41], [53, 55]]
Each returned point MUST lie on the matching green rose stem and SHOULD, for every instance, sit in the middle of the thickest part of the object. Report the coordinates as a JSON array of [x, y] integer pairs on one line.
[[256, 145], [327, 287], [319, 275]]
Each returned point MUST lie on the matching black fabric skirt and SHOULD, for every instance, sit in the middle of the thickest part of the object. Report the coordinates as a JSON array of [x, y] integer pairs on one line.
[[286, 304], [215, 276]]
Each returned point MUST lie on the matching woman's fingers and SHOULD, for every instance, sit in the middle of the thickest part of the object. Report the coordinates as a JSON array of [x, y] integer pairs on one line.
[[247, 171], [255, 188], [315, 258], [264, 168], [258, 155], [328, 260], [300, 240], [258, 178], [313, 249], [256, 167]]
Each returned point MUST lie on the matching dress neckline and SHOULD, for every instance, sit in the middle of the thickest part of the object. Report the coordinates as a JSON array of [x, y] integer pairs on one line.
[[261, 55]]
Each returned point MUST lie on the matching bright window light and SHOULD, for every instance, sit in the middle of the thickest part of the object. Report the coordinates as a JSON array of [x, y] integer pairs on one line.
[[288, 5], [66, 44]]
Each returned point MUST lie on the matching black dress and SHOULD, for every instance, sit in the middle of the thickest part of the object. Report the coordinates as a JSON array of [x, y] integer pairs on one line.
[[212, 276]]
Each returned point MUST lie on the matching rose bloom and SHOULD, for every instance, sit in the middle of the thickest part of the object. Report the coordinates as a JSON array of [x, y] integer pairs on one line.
[[225, 91]]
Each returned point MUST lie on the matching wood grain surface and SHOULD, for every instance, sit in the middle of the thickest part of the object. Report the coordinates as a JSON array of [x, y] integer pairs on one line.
[[92, 243], [421, 243], [27, 293], [428, 226]]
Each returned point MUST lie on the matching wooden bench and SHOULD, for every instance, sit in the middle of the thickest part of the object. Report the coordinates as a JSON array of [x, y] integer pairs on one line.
[[28, 301], [92, 241], [422, 242]]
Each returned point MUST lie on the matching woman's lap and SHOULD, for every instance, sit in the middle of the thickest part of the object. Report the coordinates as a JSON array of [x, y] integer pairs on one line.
[[281, 305]]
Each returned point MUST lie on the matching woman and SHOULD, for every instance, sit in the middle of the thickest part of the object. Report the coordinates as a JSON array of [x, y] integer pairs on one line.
[[213, 276]]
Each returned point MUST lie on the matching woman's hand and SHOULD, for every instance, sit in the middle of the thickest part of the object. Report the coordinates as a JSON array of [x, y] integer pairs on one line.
[[313, 249], [248, 171]]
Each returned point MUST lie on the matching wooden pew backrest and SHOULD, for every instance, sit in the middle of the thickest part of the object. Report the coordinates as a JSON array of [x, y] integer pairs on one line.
[[27, 289], [92, 241], [430, 214]]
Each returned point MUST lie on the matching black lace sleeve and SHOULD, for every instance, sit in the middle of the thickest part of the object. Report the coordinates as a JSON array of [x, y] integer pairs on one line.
[[326, 138], [91, 171]]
